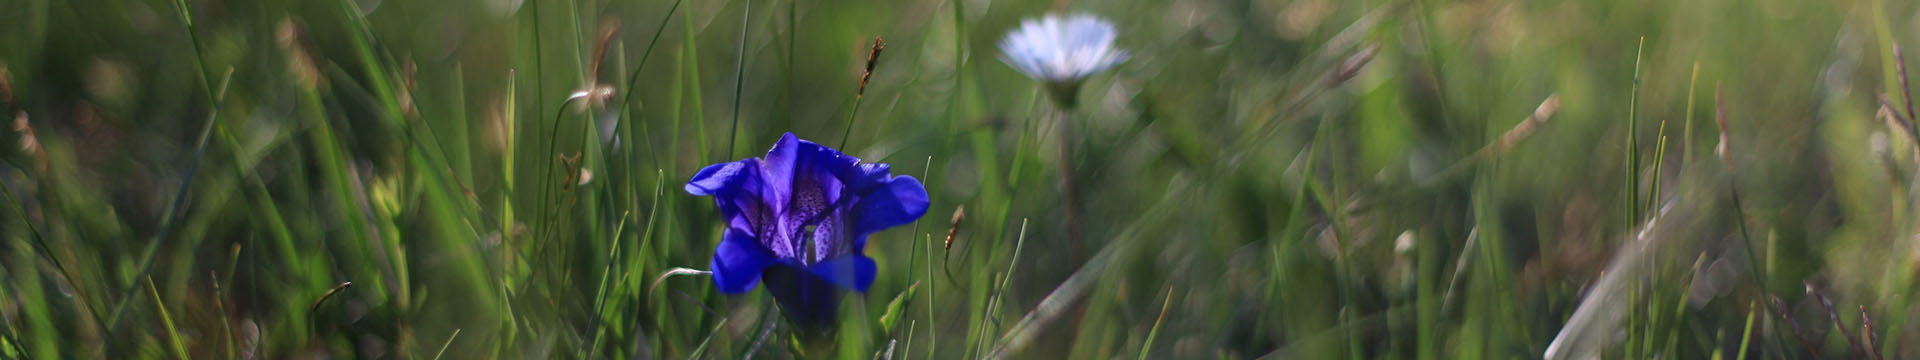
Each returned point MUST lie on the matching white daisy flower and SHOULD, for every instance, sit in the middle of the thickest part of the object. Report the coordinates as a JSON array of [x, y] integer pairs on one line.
[[1062, 50]]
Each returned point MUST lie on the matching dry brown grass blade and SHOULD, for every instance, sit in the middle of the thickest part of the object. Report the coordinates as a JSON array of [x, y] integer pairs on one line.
[[1520, 132]]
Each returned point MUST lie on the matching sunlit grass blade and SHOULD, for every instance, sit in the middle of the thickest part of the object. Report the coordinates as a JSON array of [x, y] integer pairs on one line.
[[601, 292], [1686, 134], [1633, 140], [1147, 348], [599, 304], [702, 349], [448, 344], [1746, 332], [993, 304], [173, 334]]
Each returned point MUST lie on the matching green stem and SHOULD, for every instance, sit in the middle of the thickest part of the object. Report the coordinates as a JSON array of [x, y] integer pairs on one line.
[[739, 73]]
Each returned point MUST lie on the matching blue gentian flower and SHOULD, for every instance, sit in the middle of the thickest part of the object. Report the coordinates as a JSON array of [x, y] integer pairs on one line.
[[798, 220], [1062, 51]]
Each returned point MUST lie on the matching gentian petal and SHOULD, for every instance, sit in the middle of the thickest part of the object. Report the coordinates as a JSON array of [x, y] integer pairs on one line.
[[778, 168], [718, 178], [853, 271], [863, 178], [808, 299], [738, 262], [899, 202], [797, 220]]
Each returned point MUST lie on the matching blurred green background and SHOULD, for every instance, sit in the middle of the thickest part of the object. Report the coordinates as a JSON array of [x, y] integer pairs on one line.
[[1309, 179]]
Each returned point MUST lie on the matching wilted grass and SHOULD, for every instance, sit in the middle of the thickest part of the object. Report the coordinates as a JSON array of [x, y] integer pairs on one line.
[[1270, 179]]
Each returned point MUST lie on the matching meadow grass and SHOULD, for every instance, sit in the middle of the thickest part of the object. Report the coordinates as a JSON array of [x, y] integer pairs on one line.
[[1272, 179]]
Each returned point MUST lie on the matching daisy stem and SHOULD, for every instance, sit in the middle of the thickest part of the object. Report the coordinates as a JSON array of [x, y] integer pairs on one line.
[[1069, 191]]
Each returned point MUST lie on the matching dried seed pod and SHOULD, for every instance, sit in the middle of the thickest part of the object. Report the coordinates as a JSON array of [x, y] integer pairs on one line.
[[873, 57], [959, 213], [1353, 65]]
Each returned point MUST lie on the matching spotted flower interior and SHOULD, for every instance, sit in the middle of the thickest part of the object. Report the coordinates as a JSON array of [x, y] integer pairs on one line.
[[801, 215]]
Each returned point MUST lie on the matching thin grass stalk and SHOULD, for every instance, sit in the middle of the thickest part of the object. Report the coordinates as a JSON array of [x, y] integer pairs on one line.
[[1635, 329], [1686, 135], [793, 51], [768, 321], [675, 102], [633, 84], [1739, 213], [697, 115], [173, 339], [907, 350], [216, 98], [739, 73], [220, 304], [539, 68], [1633, 142], [263, 199], [1345, 71], [40, 242], [599, 305], [1838, 323], [702, 349], [987, 316], [1434, 62], [1900, 65], [549, 182], [12, 337], [507, 249], [167, 220], [585, 71], [1496, 265], [1020, 147], [1076, 285], [1867, 335], [443, 346], [1147, 348], [544, 179], [622, 186], [1746, 332], [859, 93], [1680, 310], [853, 114], [933, 302], [913, 261], [1780, 310], [953, 112], [1296, 215], [601, 293], [364, 44], [1001, 292], [1659, 162]]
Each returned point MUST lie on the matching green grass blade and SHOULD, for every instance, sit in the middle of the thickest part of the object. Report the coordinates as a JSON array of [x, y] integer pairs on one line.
[[1633, 141], [739, 73], [173, 334], [1147, 348], [444, 346], [179, 201]]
